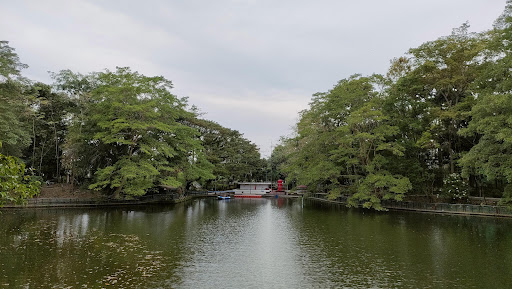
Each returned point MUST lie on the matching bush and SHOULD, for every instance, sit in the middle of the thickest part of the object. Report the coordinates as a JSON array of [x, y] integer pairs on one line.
[[455, 188]]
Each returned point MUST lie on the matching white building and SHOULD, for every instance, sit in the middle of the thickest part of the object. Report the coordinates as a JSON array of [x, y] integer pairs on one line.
[[253, 188]]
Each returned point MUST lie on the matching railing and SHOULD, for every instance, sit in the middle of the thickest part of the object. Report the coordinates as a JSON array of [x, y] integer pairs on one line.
[[433, 207], [147, 199], [450, 208]]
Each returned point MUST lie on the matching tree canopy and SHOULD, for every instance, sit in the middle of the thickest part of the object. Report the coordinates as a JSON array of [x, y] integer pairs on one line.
[[119, 132], [133, 126], [439, 118]]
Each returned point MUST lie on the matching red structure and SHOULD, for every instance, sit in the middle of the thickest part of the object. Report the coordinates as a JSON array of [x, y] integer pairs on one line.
[[280, 186], [247, 196]]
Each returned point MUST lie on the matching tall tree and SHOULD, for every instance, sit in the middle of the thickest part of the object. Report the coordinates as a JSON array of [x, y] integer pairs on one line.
[[342, 144], [131, 122], [442, 76], [234, 157], [14, 103], [409, 112], [15, 185], [491, 158], [10, 65], [48, 130]]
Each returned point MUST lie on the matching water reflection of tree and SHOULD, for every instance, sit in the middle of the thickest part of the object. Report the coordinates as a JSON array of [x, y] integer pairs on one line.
[[127, 247]]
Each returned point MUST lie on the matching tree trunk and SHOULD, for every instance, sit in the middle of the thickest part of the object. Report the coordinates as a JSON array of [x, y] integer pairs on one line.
[[34, 142], [41, 159], [57, 161]]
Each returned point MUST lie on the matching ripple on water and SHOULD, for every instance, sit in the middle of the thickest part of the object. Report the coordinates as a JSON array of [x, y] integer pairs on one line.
[[250, 244]]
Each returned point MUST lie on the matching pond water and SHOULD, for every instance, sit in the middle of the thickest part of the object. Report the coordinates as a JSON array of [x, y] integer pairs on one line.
[[251, 243]]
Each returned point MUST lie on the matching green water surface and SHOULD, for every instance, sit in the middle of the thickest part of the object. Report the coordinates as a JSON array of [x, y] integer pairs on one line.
[[251, 243]]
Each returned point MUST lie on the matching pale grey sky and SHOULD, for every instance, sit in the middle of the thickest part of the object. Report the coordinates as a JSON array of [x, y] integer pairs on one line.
[[249, 65]]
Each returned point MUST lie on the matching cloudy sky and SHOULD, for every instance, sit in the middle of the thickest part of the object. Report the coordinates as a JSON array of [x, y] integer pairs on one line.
[[250, 65]]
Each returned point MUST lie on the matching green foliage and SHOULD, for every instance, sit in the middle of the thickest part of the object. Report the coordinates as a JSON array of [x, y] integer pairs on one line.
[[130, 134], [455, 187], [491, 156], [234, 158], [438, 121], [491, 117], [14, 112], [507, 196], [377, 187], [133, 177], [14, 103], [280, 155], [10, 65], [342, 144], [15, 186], [443, 73], [48, 126]]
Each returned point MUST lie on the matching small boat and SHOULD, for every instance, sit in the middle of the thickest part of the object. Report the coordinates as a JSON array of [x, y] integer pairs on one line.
[[223, 197]]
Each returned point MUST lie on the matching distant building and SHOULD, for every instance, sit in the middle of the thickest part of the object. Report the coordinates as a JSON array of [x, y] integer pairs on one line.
[[254, 188]]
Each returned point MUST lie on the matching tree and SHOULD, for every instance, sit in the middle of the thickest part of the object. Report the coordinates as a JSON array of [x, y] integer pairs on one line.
[[15, 186], [428, 97], [495, 75], [342, 143], [234, 158], [48, 130], [442, 75], [279, 157], [132, 125], [79, 159], [439, 120], [14, 103], [491, 158], [10, 65]]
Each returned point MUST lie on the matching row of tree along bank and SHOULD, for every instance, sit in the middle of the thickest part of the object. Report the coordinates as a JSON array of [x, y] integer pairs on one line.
[[119, 132], [438, 123]]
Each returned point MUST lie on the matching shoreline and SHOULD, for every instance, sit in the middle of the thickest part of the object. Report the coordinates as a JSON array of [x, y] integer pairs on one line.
[[162, 199], [435, 208], [159, 199], [97, 202]]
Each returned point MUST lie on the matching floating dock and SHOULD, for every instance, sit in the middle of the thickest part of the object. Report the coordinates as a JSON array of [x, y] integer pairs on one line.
[[247, 196]]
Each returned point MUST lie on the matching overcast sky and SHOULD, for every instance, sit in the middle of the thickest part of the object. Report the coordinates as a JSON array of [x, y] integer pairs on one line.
[[250, 65]]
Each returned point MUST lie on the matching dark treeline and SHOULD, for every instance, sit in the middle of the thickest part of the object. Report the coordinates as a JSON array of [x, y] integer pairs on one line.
[[119, 132], [438, 123]]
